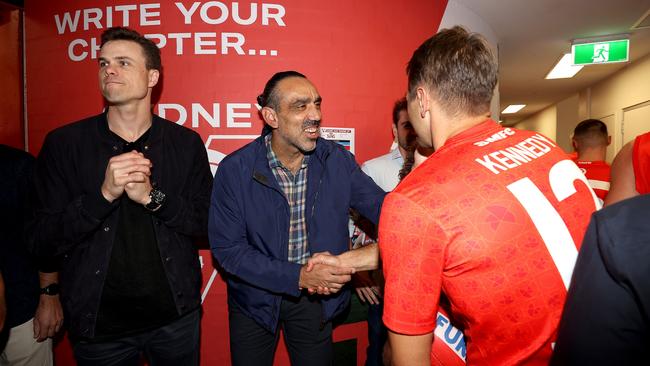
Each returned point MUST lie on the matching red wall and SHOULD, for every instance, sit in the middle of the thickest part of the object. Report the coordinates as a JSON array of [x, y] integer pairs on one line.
[[355, 52], [11, 78]]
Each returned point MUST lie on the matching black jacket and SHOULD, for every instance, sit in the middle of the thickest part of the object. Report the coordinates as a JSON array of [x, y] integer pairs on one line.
[[76, 223], [19, 269], [606, 316]]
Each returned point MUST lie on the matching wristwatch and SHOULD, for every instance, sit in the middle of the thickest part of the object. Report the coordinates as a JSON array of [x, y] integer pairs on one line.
[[51, 289], [157, 200]]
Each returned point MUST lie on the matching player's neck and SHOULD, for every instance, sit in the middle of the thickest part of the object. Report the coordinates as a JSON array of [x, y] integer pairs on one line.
[[451, 127], [129, 121], [592, 154]]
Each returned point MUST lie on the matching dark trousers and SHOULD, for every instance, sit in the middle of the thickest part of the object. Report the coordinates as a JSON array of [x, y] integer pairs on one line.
[[308, 341], [175, 344], [377, 335]]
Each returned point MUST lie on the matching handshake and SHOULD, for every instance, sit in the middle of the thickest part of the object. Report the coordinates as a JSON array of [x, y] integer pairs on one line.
[[325, 274]]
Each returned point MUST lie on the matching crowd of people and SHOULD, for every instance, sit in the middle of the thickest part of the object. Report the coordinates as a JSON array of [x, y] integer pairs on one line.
[[491, 227]]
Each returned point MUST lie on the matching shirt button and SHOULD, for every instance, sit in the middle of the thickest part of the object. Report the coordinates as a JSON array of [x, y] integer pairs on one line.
[[106, 228], [146, 147], [114, 148], [98, 272], [168, 259]]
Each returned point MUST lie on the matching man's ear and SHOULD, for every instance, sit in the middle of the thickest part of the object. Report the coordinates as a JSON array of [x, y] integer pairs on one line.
[[270, 117], [422, 96], [574, 144], [609, 140], [153, 77], [394, 132]]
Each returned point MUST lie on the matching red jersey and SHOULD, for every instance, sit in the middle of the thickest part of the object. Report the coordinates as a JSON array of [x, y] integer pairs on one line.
[[493, 219], [597, 173], [641, 163]]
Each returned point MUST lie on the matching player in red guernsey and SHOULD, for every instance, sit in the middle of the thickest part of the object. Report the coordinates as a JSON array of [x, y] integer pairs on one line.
[[493, 219], [641, 163], [590, 141], [631, 170]]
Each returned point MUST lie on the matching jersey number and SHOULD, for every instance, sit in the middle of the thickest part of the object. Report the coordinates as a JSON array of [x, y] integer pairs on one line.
[[547, 220]]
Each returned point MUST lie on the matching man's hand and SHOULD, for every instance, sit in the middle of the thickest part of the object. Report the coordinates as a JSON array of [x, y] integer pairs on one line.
[[322, 276], [139, 192], [366, 288], [131, 167], [48, 318], [323, 258]]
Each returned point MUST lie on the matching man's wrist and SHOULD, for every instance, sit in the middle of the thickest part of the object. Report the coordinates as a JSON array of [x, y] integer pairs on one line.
[[50, 290], [155, 199]]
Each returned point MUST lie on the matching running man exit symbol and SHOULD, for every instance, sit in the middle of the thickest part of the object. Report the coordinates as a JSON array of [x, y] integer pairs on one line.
[[601, 53]]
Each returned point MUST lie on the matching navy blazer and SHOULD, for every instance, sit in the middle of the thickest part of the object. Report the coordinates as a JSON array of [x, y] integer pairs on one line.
[[249, 224]]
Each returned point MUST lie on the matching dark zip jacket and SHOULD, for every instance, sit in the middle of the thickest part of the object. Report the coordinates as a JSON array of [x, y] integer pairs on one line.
[[75, 222]]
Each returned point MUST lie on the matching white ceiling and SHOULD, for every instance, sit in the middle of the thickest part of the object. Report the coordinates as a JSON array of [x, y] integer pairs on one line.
[[534, 34]]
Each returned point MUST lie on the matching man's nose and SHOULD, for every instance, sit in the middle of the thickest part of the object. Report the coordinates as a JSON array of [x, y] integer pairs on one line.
[[109, 70], [314, 113]]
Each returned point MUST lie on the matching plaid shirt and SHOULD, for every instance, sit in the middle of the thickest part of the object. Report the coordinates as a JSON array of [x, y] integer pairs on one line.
[[295, 191]]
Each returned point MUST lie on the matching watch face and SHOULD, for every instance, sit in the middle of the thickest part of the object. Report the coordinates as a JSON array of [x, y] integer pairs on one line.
[[52, 289], [157, 199], [157, 196]]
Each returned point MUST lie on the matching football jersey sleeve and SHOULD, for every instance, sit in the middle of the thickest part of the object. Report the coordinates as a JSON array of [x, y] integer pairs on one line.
[[641, 163], [412, 249]]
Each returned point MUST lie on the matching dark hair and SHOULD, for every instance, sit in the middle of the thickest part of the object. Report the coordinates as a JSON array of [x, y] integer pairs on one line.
[[590, 133], [149, 48], [458, 67], [269, 97], [399, 106]]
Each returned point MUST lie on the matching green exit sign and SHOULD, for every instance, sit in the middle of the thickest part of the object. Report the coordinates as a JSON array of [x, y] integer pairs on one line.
[[601, 52]]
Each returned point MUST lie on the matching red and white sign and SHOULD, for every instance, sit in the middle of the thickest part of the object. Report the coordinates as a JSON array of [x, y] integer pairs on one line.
[[217, 56]]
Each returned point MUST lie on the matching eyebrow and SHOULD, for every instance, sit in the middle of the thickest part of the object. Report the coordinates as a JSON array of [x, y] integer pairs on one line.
[[118, 58], [305, 100]]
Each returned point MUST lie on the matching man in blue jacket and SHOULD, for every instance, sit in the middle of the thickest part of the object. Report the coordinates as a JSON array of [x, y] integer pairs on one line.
[[275, 202]]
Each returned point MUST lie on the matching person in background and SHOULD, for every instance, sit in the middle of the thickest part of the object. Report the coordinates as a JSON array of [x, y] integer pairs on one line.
[[34, 313], [385, 171], [590, 140], [631, 170], [123, 195]]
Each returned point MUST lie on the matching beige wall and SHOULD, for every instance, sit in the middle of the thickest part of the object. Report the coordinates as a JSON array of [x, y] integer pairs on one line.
[[606, 100], [625, 89], [567, 119], [544, 122]]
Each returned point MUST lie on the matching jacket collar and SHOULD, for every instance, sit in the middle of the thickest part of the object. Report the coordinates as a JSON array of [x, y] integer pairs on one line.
[[262, 172], [155, 134]]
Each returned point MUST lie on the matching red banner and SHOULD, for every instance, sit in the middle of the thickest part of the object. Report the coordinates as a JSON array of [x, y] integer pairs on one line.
[[217, 56]]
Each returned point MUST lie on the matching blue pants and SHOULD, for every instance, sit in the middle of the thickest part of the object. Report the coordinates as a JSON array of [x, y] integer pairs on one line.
[[377, 335]]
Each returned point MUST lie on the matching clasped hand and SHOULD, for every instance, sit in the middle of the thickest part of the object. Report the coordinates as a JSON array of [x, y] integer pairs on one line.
[[128, 172]]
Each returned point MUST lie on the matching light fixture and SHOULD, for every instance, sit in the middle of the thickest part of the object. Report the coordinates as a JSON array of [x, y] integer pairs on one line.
[[564, 68], [513, 108]]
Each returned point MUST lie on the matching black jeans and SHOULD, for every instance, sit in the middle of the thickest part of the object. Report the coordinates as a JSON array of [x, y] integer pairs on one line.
[[175, 344], [309, 342]]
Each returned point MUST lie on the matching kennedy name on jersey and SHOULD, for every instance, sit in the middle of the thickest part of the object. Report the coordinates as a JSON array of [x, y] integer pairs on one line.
[[516, 155]]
